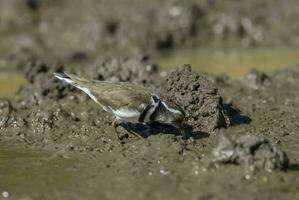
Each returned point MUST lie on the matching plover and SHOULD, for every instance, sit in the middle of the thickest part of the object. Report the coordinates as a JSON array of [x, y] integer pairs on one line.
[[128, 102]]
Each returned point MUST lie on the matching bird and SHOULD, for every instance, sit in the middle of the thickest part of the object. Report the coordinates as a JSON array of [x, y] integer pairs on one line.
[[128, 102]]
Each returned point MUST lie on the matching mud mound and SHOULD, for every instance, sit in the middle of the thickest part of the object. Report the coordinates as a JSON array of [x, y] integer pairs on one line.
[[5, 110], [256, 79], [251, 151], [137, 70], [17, 59], [40, 75], [290, 75], [41, 80], [197, 95]]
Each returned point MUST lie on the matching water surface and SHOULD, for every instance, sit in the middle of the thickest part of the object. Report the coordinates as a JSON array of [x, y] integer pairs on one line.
[[10, 82], [234, 62]]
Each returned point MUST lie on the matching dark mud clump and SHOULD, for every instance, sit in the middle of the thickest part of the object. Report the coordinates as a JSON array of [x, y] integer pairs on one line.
[[16, 59], [256, 79], [288, 75], [197, 95], [40, 78], [5, 111], [251, 151]]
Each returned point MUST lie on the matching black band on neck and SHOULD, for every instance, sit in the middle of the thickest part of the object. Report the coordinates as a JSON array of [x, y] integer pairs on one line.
[[143, 114], [153, 115]]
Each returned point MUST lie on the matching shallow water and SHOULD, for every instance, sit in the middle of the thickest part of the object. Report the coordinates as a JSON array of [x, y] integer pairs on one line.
[[10, 82], [233, 62], [34, 174], [41, 174]]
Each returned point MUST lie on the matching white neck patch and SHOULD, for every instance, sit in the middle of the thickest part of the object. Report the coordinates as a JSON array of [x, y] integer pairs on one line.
[[171, 109]]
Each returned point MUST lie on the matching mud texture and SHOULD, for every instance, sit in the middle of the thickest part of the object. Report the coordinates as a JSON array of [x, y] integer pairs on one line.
[[197, 95], [251, 151], [256, 79], [45, 107], [42, 110], [68, 144], [16, 59], [56, 143], [139, 70], [62, 29]]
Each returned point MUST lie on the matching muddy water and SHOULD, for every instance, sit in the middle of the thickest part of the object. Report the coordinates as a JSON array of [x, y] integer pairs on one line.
[[40, 174], [232, 62], [30, 174], [10, 83]]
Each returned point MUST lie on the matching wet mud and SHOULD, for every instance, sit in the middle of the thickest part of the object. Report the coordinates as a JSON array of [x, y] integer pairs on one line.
[[251, 151], [197, 95], [51, 118], [56, 143]]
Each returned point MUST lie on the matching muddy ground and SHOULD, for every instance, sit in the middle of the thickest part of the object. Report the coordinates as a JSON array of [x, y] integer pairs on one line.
[[243, 140], [56, 143]]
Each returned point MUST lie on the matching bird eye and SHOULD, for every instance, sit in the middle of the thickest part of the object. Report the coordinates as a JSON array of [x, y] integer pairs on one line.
[[155, 98]]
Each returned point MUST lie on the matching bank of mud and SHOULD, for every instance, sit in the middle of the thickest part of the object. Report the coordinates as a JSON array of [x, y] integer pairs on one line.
[[67, 30], [65, 128]]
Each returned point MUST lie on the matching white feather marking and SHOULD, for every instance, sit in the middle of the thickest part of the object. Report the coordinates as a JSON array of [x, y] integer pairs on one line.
[[126, 115], [67, 80], [150, 112], [170, 109], [87, 91], [84, 89]]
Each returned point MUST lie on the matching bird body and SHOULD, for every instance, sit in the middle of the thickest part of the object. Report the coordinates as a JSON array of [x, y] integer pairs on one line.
[[129, 103]]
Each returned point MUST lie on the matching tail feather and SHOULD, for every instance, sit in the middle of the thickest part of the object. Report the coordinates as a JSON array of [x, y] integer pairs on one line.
[[75, 78], [79, 83], [64, 77]]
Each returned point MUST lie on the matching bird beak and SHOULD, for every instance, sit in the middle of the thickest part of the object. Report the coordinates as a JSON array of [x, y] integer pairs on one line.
[[183, 130]]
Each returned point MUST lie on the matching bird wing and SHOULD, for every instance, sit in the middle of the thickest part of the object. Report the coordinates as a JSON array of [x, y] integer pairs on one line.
[[120, 95], [111, 94]]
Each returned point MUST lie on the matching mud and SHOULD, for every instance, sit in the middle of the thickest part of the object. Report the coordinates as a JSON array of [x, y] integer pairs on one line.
[[60, 30], [45, 113], [56, 143], [40, 113], [197, 95], [251, 151], [256, 79], [139, 70], [55, 119]]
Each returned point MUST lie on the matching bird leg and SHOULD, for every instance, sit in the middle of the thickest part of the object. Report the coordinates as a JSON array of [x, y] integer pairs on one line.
[[184, 134], [115, 125], [135, 134], [184, 131]]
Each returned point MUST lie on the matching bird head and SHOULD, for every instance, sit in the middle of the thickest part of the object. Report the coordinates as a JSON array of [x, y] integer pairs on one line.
[[170, 113]]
